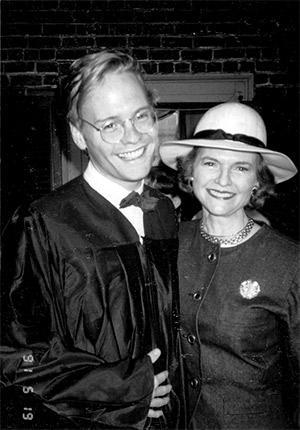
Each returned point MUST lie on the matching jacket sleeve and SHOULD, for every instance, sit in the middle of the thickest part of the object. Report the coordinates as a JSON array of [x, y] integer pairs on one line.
[[38, 356], [292, 340]]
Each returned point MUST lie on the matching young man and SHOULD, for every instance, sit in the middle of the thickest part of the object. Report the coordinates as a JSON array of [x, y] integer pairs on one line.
[[90, 285]]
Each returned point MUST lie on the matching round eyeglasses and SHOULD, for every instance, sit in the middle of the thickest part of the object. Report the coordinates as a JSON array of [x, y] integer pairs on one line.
[[113, 130]]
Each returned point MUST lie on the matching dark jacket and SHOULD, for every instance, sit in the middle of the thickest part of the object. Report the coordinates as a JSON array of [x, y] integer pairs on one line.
[[84, 302], [240, 331]]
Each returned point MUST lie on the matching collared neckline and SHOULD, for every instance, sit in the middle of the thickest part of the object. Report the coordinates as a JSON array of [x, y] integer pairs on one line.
[[109, 189], [114, 193]]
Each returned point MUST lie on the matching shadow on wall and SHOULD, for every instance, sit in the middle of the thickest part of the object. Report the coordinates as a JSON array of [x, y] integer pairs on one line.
[[26, 146], [31, 126]]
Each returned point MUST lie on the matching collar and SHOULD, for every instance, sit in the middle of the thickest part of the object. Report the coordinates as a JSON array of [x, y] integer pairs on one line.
[[109, 189]]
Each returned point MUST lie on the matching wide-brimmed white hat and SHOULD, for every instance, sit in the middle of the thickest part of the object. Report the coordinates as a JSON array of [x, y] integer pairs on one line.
[[232, 126]]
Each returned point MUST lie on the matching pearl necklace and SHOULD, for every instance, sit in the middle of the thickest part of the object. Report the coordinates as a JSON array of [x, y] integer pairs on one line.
[[228, 240]]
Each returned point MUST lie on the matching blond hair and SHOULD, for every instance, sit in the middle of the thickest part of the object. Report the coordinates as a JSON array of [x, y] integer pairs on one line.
[[90, 70]]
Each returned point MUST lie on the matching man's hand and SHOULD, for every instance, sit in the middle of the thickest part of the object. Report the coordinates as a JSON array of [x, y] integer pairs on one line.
[[158, 399]]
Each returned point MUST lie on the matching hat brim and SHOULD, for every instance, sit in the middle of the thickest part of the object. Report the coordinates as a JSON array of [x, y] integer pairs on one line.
[[280, 164]]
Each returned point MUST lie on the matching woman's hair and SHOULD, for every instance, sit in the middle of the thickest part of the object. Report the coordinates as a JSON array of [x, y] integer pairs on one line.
[[88, 71], [164, 179], [266, 183]]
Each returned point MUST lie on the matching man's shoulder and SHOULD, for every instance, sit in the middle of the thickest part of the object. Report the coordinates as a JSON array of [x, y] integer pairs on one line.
[[155, 193], [53, 203], [70, 190], [162, 221], [164, 203]]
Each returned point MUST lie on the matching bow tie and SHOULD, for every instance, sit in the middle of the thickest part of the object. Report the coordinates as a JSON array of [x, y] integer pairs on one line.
[[144, 201]]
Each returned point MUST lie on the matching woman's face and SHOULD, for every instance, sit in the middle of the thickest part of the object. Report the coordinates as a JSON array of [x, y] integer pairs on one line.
[[224, 179]]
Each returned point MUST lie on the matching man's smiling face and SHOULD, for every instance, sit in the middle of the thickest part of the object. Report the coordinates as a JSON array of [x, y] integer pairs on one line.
[[118, 96]]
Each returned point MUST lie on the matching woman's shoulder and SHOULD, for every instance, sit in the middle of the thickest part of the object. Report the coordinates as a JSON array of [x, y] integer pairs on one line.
[[278, 245], [279, 237], [188, 229]]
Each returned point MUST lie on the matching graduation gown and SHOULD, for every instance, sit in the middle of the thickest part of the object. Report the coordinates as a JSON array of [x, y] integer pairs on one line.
[[83, 303]]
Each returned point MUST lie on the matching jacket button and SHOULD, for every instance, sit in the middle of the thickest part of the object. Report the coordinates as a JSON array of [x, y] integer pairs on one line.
[[191, 339], [194, 382], [197, 295], [211, 257]]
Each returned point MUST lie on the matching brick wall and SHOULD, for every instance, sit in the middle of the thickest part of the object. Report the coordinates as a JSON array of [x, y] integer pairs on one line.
[[40, 38]]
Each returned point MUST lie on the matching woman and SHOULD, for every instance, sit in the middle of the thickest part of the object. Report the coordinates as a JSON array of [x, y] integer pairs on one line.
[[238, 279]]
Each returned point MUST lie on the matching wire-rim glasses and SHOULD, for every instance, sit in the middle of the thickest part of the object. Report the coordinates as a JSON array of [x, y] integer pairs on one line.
[[113, 130]]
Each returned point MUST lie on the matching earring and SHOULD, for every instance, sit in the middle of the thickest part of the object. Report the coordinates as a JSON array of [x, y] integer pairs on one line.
[[190, 181], [254, 191]]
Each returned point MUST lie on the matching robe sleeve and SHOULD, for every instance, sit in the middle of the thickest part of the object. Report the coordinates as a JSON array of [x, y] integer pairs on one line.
[[38, 356]]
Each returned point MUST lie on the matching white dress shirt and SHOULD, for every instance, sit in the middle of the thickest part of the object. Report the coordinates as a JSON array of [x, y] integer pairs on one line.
[[114, 193]]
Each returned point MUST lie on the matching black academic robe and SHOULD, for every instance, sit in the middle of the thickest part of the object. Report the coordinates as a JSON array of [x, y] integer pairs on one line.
[[83, 303]]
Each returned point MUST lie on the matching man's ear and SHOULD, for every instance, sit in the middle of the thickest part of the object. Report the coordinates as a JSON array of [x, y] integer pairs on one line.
[[78, 138]]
